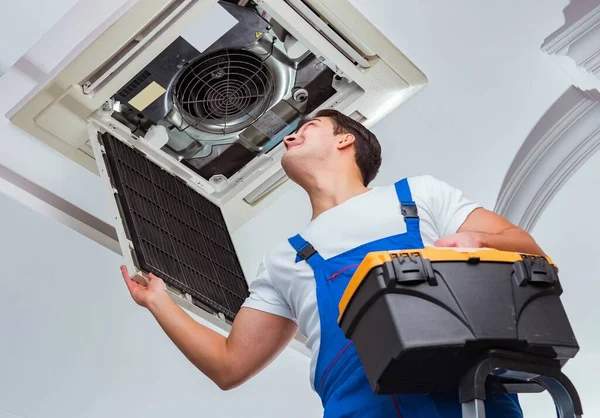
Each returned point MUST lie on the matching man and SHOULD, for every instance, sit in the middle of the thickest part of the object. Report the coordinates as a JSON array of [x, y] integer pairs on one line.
[[299, 283]]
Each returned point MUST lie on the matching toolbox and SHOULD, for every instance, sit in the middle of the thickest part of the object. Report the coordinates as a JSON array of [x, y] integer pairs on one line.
[[421, 319]]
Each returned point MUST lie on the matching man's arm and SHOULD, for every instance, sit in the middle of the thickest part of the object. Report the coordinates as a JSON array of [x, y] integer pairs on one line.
[[484, 228], [255, 339]]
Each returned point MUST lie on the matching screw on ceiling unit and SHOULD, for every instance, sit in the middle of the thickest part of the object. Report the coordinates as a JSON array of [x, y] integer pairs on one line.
[[300, 95]]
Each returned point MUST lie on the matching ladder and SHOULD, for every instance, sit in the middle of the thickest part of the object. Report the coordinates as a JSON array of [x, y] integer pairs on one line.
[[512, 372]]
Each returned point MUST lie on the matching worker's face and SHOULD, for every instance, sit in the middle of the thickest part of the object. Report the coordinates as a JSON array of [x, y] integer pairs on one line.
[[313, 143]]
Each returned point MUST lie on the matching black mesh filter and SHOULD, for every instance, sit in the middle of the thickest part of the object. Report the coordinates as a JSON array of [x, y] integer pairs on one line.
[[178, 235]]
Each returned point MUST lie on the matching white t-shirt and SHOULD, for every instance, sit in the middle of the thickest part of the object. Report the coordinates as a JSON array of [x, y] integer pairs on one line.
[[284, 287]]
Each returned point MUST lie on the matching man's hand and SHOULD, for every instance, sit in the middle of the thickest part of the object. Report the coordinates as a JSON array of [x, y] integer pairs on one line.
[[144, 295], [462, 239]]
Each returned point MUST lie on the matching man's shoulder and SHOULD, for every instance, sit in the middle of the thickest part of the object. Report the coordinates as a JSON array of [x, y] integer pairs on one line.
[[418, 180], [420, 185], [423, 181], [280, 255]]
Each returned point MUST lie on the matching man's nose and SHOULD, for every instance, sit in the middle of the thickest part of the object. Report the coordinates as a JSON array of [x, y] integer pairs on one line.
[[287, 140]]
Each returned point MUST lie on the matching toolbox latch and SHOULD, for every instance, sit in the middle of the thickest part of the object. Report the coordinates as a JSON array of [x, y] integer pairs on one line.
[[412, 269], [535, 270]]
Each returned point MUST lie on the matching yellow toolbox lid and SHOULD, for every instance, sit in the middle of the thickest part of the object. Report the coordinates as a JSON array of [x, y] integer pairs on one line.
[[432, 254]]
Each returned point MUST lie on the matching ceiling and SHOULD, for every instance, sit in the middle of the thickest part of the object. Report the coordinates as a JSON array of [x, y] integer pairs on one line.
[[20, 28], [489, 84]]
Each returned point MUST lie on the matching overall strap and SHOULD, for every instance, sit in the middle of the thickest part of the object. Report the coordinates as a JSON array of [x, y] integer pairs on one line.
[[305, 251], [407, 205]]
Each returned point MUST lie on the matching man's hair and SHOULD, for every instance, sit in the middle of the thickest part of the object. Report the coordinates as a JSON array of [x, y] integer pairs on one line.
[[366, 146]]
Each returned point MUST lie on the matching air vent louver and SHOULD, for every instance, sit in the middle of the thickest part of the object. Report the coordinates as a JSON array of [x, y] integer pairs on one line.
[[134, 84]]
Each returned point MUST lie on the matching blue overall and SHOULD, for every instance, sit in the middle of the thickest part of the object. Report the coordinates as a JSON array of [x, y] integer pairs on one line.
[[339, 379]]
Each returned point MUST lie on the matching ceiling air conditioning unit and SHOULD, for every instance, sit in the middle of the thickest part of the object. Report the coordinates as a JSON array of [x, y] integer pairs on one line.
[[182, 105]]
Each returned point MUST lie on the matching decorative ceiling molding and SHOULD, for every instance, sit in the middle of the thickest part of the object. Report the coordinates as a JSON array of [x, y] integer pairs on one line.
[[575, 46], [564, 138]]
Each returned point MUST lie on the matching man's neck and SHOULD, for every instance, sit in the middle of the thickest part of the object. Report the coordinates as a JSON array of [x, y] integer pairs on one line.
[[328, 194]]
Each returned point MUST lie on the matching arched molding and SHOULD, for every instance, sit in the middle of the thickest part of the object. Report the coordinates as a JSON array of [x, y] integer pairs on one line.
[[564, 138], [575, 46]]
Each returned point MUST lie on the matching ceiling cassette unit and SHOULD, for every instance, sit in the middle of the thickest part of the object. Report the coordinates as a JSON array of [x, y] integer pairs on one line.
[[181, 106]]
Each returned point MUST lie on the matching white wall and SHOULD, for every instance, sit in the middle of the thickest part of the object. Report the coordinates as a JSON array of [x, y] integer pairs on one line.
[[489, 83], [568, 231], [75, 345]]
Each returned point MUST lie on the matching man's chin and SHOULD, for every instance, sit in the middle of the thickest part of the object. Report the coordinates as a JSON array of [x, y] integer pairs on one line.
[[289, 163], [287, 156]]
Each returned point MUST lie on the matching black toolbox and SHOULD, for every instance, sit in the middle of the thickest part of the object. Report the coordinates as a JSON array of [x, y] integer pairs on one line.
[[419, 319]]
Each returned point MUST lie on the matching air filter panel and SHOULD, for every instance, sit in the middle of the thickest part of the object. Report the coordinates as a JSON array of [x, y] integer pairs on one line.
[[177, 234]]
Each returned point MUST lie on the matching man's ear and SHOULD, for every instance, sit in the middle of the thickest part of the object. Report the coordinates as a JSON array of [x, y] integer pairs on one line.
[[345, 140]]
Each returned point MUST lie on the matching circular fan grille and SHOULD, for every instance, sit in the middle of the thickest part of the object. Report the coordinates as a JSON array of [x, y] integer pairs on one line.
[[224, 91]]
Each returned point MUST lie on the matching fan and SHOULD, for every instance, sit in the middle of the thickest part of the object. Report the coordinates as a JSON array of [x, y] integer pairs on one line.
[[224, 91]]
